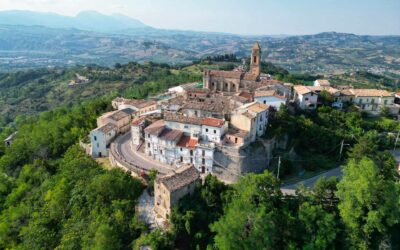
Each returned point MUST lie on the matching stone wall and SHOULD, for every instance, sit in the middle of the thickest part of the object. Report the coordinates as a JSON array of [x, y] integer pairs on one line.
[[232, 162]]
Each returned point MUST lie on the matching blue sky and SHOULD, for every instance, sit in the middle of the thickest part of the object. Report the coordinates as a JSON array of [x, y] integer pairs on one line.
[[269, 17]]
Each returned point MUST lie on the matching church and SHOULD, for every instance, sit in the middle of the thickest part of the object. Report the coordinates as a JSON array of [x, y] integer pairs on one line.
[[235, 81]]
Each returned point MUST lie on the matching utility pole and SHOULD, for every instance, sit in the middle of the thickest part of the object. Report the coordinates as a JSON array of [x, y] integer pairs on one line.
[[341, 150], [279, 166], [397, 138]]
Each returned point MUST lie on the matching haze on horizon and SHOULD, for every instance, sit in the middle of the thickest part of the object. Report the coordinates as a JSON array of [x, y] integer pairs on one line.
[[256, 17]]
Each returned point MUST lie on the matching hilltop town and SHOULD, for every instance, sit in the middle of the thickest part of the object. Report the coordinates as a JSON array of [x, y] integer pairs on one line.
[[214, 127]]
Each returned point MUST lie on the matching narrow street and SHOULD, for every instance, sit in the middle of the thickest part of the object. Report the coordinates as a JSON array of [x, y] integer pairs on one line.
[[124, 149], [291, 188]]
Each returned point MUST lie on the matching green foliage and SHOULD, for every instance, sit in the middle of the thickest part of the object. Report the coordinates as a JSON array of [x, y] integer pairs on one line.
[[156, 240], [369, 203], [53, 196], [204, 206]]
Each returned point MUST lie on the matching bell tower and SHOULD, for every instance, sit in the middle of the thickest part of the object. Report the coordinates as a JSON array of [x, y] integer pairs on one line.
[[255, 60]]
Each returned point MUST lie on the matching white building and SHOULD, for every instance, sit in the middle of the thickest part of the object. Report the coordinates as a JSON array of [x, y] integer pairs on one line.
[[137, 131], [100, 138], [305, 98], [270, 98], [213, 129], [179, 140], [373, 100], [322, 83]]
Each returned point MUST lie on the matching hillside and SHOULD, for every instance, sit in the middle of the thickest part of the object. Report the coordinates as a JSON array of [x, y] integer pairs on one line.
[[34, 91], [23, 47]]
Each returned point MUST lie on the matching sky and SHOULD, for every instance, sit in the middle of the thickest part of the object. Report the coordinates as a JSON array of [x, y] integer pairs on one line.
[[247, 17]]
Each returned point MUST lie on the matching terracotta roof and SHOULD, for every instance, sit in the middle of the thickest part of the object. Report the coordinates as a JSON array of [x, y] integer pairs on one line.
[[138, 122], [346, 92], [139, 103], [371, 92], [226, 74], [213, 122], [323, 82], [182, 119], [216, 106], [250, 77], [257, 107], [300, 89], [107, 128], [118, 115], [248, 115], [170, 134], [271, 82], [197, 90], [240, 99], [180, 178], [246, 95], [259, 93], [155, 128], [187, 142]]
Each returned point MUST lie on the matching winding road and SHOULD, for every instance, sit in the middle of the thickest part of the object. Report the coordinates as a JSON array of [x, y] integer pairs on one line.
[[133, 158]]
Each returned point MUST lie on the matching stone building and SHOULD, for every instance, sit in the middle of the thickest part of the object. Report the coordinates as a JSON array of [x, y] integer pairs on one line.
[[119, 118], [253, 118], [169, 189], [233, 81]]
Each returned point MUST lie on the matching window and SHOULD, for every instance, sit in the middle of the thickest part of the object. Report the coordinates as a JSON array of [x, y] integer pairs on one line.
[[312, 94], [265, 102], [203, 161], [160, 151], [148, 145], [206, 129], [306, 99], [191, 160], [186, 126], [254, 59], [204, 153], [181, 149], [360, 101], [385, 102], [215, 131], [236, 140], [98, 145], [95, 138], [191, 152], [181, 158]]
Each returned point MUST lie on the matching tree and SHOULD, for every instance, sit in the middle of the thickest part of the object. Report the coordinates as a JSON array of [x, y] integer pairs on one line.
[[319, 227], [369, 204], [252, 217]]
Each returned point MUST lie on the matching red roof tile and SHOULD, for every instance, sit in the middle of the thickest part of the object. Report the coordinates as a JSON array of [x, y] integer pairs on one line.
[[187, 142], [213, 122]]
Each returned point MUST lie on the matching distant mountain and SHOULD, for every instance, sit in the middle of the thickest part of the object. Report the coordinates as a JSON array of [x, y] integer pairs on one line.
[[87, 20], [24, 46]]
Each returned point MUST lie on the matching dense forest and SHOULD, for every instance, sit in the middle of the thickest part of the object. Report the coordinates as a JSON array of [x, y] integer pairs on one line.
[[34, 91], [53, 196]]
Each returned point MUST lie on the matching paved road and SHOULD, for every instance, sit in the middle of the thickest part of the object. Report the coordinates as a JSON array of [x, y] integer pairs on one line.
[[289, 189], [123, 144]]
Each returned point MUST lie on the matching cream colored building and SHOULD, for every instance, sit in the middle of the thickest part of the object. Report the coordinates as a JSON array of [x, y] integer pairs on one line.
[[119, 118], [169, 189], [253, 118], [140, 106]]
